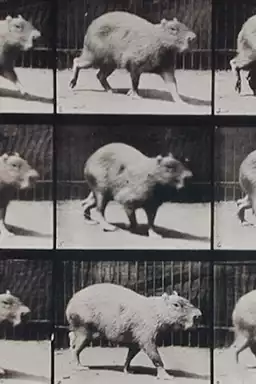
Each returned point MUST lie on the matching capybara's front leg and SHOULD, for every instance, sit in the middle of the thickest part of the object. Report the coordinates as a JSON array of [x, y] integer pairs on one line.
[[170, 80], [151, 350], [101, 206]]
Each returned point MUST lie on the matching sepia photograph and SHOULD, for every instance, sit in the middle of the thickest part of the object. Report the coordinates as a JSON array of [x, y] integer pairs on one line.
[[26, 56], [132, 322], [25, 320], [235, 44], [26, 206], [123, 186], [234, 322], [235, 188], [134, 57]]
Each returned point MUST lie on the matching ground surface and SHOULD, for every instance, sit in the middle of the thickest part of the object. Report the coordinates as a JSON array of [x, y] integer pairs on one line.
[[89, 97], [185, 226], [25, 362], [38, 83], [227, 100], [187, 365], [32, 222], [226, 371], [229, 233]]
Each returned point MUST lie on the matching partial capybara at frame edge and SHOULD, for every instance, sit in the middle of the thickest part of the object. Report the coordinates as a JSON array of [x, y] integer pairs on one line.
[[124, 317], [123, 174], [124, 40], [13, 311], [244, 322], [247, 181], [15, 174], [16, 35], [246, 48]]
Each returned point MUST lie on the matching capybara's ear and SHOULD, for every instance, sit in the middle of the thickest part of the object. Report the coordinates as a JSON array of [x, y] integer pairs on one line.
[[163, 22], [175, 20], [5, 156], [8, 292], [8, 18], [165, 296], [20, 17], [175, 293], [159, 158], [16, 154]]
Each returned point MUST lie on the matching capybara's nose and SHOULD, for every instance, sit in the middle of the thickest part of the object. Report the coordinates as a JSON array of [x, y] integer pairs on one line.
[[33, 176], [197, 318], [36, 35], [191, 37]]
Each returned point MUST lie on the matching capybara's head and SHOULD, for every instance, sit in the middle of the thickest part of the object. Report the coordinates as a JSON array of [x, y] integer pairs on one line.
[[16, 172], [12, 309], [182, 313], [172, 172], [22, 34], [182, 35]]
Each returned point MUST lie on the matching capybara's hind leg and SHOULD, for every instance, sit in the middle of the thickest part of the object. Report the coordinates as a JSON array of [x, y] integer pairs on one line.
[[133, 351], [84, 61], [170, 80], [243, 205], [132, 218], [240, 346], [236, 64], [152, 352], [78, 341], [88, 204], [101, 206], [102, 76]]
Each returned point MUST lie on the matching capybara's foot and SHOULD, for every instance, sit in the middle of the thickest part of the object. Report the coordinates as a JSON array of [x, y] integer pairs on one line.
[[238, 86], [5, 233], [134, 95], [72, 83], [153, 234], [163, 375], [108, 227], [246, 223], [2, 372]]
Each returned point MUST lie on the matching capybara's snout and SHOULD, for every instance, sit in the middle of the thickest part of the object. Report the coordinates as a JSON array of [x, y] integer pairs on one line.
[[191, 37]]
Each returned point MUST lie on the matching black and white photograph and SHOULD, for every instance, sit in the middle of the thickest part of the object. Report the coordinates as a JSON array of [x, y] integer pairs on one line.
[[124, 186], [25, 320], [235, 183], [26, 56], [26, 206], [234, 322], [134, 57], [132, 322], [235, 71]]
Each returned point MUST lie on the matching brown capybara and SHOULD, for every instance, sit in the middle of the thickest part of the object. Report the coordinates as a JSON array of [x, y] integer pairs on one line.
[[244, 322], [126, 318], [126, 41], [16, 35], [247, 181], [121, 173], [15, 174], [246, 50]]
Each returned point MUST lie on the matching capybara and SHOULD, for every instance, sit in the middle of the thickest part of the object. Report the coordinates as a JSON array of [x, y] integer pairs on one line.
[[247, 181], [15, 174], [122, 316], [16, 35], [122, 173], [12, 310], [244, 322], [124, 40], [246, 50]]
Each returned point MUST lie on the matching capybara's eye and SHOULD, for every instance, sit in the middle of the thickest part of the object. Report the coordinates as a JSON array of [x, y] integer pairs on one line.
[[176, 305], [5, 302]]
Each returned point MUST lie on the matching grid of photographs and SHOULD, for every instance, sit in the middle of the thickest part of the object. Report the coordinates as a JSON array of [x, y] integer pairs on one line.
[[127, 191]]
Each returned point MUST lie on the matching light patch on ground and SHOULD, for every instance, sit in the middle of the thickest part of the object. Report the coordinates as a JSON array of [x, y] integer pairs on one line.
[[89, 97], [184, 226]]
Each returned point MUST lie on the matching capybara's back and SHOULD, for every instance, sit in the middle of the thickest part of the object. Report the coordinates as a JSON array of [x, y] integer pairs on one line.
[[246, 39], [244, 315], [247, 174]]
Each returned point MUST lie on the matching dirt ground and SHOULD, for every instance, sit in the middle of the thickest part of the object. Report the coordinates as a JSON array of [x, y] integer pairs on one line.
[[89, 97], [183, 226], [25, 362], [38, 83], [227, 100], [229, 233], [187, 365], [226, 371], [32, 223]]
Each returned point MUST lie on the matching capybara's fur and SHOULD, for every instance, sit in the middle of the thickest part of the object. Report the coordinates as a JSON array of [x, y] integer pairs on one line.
[[244, 322], [16, 35], [247, 181], [12, 309], [122, 173], [124, 40], [15, 174], [246, 50], [122, 316]]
